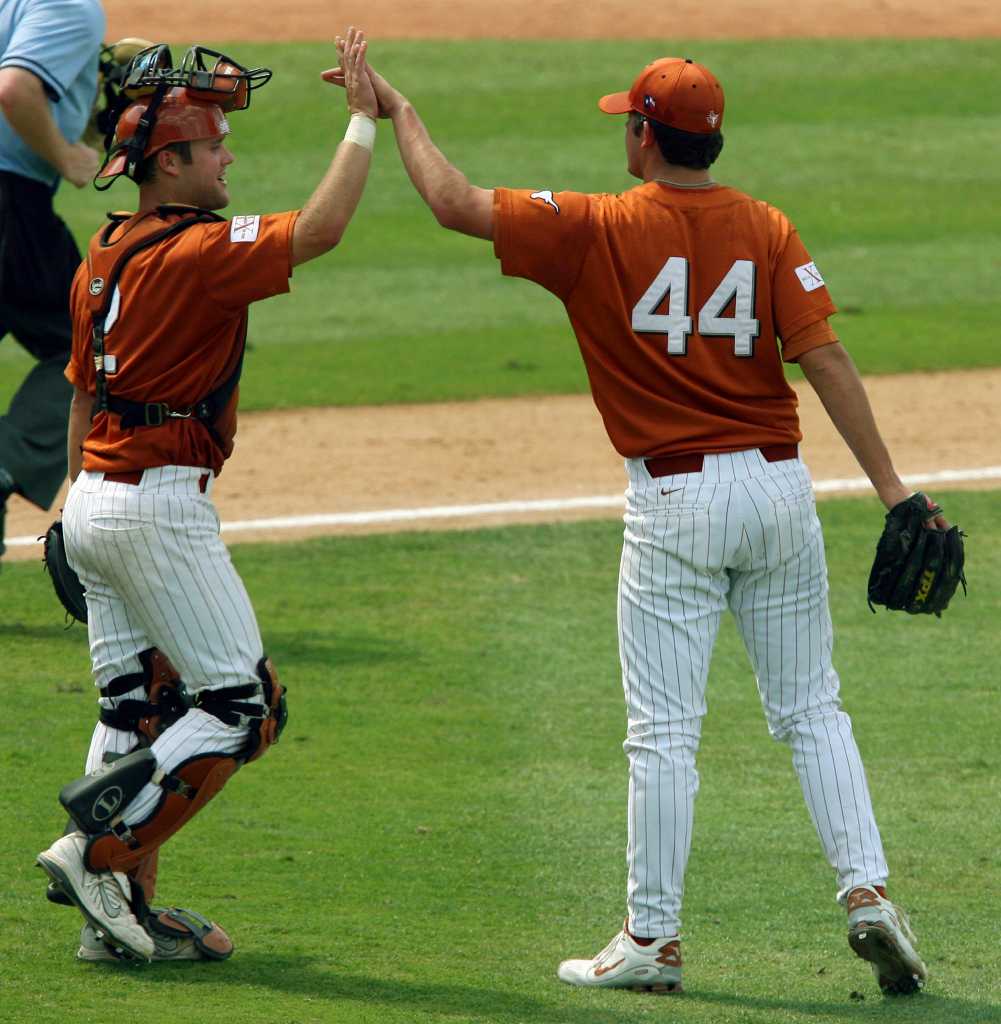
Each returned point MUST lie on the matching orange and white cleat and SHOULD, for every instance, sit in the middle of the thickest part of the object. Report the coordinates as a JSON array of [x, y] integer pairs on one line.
[[879, 932], [623, 963]]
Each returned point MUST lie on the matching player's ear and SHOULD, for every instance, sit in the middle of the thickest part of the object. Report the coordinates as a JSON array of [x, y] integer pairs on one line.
[[168, 162], [647, 138]]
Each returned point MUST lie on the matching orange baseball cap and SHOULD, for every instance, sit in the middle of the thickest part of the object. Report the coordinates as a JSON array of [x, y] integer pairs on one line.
[[674, 91]]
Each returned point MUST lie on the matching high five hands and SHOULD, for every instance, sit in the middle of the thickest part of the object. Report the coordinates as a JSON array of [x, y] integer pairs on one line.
[[349, 48], [352, 74]]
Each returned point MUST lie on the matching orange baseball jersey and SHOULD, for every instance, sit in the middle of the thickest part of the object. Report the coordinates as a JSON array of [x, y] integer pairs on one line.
[[174, 331], [679, 298]]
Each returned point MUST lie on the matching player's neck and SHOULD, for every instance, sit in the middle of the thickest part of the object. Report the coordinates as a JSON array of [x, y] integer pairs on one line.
[[157, 193], [674, 174], [151, 196]]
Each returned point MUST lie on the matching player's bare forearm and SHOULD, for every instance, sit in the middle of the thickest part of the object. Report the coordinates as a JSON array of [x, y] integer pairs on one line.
[[79, 427], [324, 219], [456, 203], [832, 374]]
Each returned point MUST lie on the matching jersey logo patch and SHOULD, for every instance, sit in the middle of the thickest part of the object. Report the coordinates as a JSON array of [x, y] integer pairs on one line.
[[244, 229], [96, 285], [546, 196], [809, 277]]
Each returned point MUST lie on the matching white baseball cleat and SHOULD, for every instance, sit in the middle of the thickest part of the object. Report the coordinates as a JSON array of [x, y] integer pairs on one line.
[[878, 931], [100, 897], [624, 964]]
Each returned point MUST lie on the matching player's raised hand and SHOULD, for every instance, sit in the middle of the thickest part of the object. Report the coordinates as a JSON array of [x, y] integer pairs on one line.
[[352, 73], [389, 99]]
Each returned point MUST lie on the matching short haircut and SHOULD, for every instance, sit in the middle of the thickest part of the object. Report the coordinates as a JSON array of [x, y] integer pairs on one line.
[[683, 149], [147, 169]]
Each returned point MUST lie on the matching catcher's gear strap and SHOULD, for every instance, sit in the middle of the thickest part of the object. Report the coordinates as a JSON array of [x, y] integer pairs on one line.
[[186, 790], [268, 729], [180, 924], [144, 235], [166, 700], [65, 581]]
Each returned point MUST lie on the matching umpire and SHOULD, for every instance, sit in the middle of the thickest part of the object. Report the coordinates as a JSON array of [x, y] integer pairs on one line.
[[48, 82]]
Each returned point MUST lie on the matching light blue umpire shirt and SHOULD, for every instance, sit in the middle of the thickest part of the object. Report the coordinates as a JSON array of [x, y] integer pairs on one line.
[[59, 41]]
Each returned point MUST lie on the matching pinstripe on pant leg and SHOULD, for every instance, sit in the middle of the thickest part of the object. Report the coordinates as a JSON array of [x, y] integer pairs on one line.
[[779, 597], [194, 734], [668, 614]]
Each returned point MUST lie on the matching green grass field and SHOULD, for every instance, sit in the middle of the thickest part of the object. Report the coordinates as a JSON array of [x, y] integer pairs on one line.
[[444, 819], [883, 153]]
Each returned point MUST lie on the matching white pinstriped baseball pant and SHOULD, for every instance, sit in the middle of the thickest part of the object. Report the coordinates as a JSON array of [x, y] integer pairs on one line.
[[744, 534], [157, 574]]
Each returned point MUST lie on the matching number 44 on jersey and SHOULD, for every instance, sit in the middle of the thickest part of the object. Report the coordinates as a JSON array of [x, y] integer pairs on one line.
[[671, 283]]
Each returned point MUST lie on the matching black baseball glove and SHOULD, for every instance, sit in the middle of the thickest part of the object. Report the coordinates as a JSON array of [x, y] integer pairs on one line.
[[64, 579], [917, 568]]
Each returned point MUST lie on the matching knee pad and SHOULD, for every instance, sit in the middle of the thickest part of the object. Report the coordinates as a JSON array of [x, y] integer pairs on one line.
[[266, 731], [165, 702]]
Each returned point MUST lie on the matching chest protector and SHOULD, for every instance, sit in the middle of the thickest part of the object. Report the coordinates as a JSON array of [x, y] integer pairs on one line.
[[106, 259]]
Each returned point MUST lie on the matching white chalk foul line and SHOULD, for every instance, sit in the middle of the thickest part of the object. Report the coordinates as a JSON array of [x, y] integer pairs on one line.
[[613, 501]]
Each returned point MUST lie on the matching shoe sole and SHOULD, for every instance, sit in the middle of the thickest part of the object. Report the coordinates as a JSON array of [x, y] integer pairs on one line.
[[660, 989], [873, 943], [54, 870]]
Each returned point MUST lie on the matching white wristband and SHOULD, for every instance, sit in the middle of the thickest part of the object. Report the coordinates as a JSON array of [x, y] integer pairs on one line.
[[361, 131]]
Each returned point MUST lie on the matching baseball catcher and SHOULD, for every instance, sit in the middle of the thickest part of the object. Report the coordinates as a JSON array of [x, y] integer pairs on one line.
[[187, 695], [919, 559]]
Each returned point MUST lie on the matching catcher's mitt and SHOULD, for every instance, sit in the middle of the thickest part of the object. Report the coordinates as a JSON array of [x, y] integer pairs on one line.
[[917, 568], [64, 579], [109, 101]]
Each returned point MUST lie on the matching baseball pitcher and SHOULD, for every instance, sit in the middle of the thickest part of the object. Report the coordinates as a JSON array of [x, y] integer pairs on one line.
[[686, 296]]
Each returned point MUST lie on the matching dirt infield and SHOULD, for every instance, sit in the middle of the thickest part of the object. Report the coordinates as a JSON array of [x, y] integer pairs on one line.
[[193, 20], [322, 461]]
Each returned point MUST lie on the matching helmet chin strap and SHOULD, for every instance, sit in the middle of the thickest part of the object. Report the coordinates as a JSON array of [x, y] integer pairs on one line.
[[136, 146]]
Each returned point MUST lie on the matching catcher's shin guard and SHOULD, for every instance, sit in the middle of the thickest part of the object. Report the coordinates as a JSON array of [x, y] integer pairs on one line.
[[97, 801], [186, 790]]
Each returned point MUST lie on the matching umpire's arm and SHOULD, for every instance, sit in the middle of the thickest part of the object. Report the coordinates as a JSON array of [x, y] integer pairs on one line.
[[25, 105]]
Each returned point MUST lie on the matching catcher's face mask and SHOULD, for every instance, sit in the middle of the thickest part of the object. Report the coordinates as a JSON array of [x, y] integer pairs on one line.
[[208, 75], [174, 104]]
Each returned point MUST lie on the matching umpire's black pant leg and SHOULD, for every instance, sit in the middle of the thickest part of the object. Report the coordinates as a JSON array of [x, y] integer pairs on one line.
[[33, 430]]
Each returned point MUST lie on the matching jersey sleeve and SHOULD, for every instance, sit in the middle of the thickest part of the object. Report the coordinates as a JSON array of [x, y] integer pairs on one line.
[[799, 294], [542, 236], [247, 258], [807, 338], [54, 40]]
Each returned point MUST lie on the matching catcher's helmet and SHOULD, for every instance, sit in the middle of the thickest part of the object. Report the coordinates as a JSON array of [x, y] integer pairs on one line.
[[168, 104], [177, 118]]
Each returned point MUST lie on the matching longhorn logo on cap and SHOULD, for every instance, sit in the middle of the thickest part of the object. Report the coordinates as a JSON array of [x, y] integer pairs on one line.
[[713, 118]]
